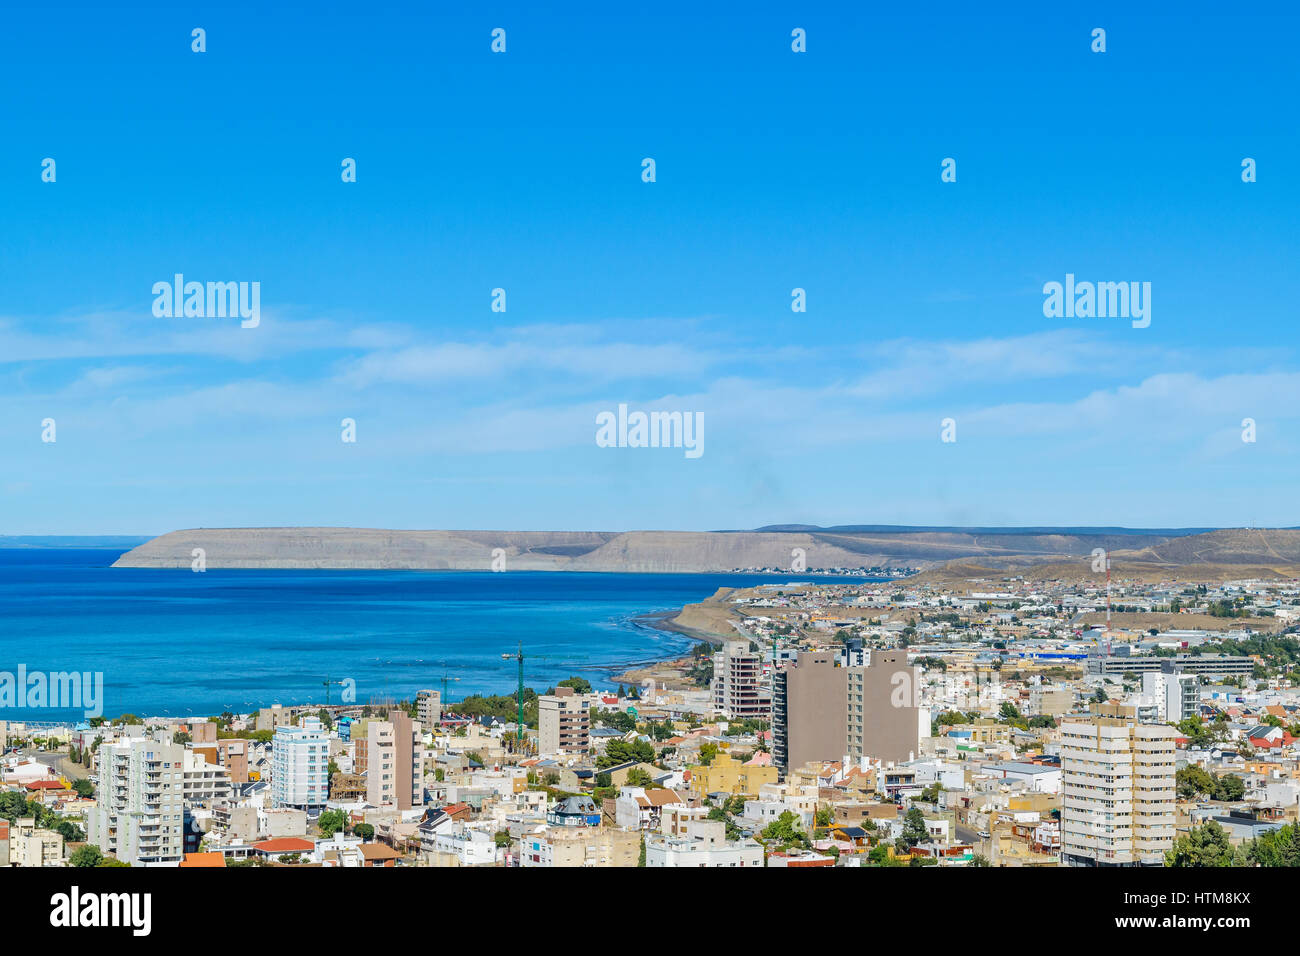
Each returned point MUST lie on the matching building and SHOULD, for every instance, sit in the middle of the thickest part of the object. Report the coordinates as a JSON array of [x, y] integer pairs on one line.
[[1050, 701], [563, 722], [232, 753], [428, 708], [705, 844], [394, 764], [575, 811], [1117, 778], [203, 782], [809, 710], [726, 774], [737, 683], [823, 711], [799, 858], [300, 759], [139, 816], [1176, 696], [580, 846], [1206, 665], [886, 720], [30, 845]]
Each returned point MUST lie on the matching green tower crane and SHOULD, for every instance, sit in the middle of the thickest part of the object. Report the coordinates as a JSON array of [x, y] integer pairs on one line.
[[519, 656]]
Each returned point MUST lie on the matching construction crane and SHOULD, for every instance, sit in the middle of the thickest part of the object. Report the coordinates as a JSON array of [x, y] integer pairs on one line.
[[328, 684], [445, 679], [519, 656]]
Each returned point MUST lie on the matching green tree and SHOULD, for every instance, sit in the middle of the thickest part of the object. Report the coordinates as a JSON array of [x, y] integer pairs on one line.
[[879, 855], [623, 751], [84, 788], [1193, 781], [1279, 847], [784, 832], [636, 777], [1206, 845], [87, 855], [70, 832], [914, 830], [365, 831], [331, 822]]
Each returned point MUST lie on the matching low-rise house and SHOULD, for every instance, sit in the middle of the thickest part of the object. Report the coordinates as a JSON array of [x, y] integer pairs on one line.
[[704, 845], [604, 846], [575, 811]]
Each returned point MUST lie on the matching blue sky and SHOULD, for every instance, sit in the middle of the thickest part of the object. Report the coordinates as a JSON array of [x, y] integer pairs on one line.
[[775, 170]]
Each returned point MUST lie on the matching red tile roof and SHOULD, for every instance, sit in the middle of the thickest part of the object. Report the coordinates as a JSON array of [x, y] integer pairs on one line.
[[285, 845], [204, 859]]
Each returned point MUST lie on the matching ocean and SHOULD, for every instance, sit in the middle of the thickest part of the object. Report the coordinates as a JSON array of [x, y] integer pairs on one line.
[[179, 643]]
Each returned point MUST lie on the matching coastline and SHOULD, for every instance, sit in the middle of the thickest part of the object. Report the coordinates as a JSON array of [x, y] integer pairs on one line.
[[667, 621], [669, 671]]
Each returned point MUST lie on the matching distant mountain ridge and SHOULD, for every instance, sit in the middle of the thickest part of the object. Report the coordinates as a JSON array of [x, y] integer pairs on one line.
[[917, 529], [711, 551]]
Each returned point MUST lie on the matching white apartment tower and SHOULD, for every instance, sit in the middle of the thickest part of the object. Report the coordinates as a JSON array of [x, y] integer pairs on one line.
[[1117, 784], [139, 816], [1176, 696], [300, 758]]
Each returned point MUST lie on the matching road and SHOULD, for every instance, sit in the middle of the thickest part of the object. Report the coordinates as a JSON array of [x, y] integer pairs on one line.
[[59, 762]]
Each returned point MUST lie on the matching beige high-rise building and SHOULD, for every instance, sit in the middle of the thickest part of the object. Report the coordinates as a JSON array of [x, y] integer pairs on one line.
[[886, 719], [821, 711], [737, 682], [809, 717], [395, 762], [1118, 790], [563, 723]]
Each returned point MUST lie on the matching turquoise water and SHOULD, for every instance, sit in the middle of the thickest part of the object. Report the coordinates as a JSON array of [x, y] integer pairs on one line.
[[174, 643]]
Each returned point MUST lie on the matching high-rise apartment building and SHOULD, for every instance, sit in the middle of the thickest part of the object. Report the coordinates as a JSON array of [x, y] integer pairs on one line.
[[822, 711], [394, 764], [1117, 789], [809, 712], [1177, 696], [300, 758], [139, 814], [563, 723], [886, 719], [428, 708], [738, 690]]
